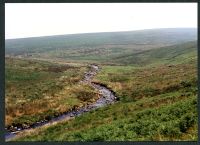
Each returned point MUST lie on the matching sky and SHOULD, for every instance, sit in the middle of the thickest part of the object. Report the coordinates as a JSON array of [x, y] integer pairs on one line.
[[44, 19]]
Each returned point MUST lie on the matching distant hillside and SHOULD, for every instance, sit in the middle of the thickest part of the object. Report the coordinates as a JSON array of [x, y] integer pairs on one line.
[[98, 46], [178, 53]]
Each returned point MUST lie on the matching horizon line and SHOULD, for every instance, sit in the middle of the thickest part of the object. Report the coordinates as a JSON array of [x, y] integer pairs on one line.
[[102, 32]]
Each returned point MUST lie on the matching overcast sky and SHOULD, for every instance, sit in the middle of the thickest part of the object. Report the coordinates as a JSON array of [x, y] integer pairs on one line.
[[37, 19]]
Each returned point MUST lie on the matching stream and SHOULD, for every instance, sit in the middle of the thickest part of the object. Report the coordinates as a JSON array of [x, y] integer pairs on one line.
[[107, 96]]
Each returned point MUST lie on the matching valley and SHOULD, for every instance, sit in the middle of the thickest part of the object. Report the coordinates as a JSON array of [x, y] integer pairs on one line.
[[145, 82]]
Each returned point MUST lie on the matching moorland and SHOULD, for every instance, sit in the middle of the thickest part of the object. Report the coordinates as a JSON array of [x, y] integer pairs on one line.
[[152, 72]]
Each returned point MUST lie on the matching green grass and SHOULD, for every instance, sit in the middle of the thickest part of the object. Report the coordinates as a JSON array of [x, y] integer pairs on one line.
[[37, 89], [129, 122], [175, 54], [132, 83], [156, 104]]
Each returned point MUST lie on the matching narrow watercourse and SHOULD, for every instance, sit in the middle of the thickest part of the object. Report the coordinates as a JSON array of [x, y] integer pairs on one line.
[[107, 96]]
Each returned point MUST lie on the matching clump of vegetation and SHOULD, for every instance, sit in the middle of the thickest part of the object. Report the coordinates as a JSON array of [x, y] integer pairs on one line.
[[86, 93], [57, 69]]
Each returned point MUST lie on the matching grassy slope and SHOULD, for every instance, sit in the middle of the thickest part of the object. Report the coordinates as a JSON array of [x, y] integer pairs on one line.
[[168, 113], [149, 119], [156, 103], [174, 54], [36, 90]]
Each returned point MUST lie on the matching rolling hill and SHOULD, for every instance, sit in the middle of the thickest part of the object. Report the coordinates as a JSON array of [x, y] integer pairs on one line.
[[99, 47], [174, 54]]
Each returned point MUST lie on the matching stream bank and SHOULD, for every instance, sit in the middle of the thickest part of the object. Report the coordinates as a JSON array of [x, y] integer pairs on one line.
[[107, 96]]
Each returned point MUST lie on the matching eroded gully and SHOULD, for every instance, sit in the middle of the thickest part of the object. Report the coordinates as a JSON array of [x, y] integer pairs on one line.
[[107, 96]]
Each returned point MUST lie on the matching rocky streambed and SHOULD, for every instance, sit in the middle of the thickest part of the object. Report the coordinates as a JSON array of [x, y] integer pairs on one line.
[[107, 96]]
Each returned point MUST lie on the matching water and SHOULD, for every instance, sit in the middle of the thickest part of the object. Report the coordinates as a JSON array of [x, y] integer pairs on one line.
[[107, 97]]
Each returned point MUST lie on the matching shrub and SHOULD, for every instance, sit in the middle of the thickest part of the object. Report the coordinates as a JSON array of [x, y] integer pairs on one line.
[[187, 121]]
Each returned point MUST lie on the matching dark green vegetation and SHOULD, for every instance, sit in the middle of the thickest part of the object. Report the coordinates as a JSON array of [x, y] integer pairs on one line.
[[149, 119], [153, 72], [36, 90]]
